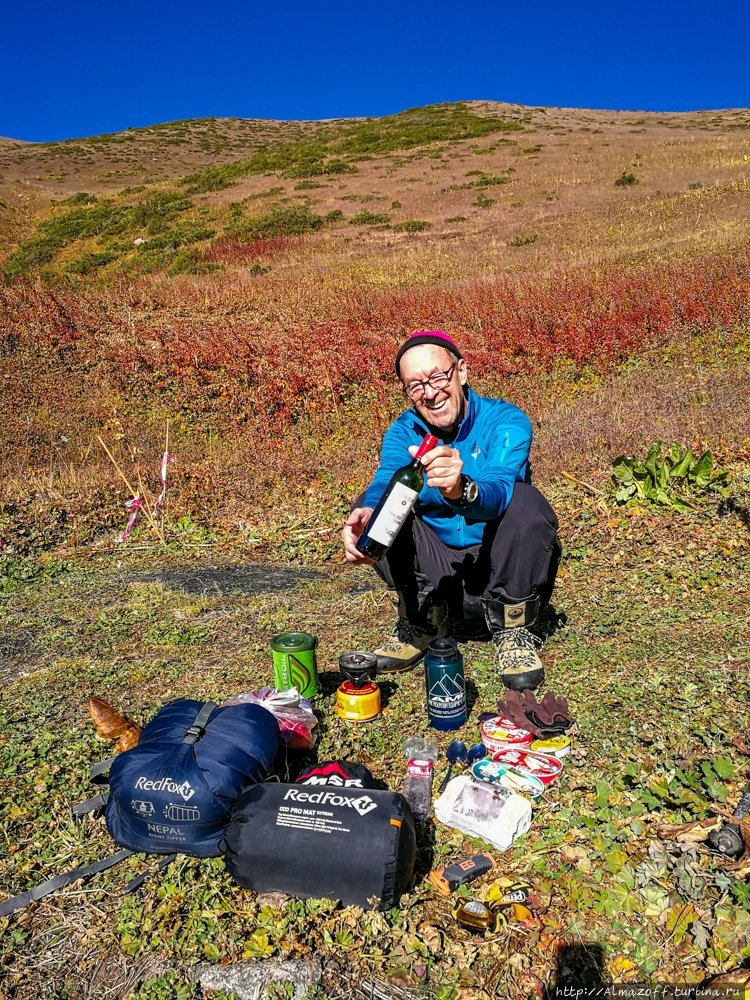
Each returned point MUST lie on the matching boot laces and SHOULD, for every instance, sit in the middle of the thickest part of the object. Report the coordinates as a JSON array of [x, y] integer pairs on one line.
[[518, 644], [404, 634]]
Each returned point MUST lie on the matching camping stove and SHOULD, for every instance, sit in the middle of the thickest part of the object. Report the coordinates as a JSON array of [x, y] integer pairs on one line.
[[358, 696]]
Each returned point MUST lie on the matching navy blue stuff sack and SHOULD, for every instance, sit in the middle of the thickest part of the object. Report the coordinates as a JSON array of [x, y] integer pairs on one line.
[[174, 791]]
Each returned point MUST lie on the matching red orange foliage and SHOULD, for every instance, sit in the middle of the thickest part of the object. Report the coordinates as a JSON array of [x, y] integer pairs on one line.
[[239, 362], [248, 365], [230, 251]]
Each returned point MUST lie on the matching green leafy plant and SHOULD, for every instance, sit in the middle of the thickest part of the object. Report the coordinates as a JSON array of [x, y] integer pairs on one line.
[[664, 479], [366, 218], [412, 226], [523, 239], [81, 198], [626, 179], [289, 220], [165, 987]]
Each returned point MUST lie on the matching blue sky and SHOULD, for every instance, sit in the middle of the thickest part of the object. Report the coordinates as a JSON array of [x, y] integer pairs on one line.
[[81, 68]]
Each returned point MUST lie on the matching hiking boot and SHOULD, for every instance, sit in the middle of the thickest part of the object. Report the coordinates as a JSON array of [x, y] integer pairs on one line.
[[517, 657], [409, 641]]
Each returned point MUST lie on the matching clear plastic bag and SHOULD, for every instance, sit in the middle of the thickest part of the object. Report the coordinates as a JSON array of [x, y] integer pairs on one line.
[[478, 809], [293, 713]]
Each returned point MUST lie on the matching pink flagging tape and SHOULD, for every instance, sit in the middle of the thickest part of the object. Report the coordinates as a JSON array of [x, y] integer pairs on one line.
[[133, 506]]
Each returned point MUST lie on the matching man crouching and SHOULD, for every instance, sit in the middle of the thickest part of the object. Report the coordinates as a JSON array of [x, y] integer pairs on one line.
[[480, 552]]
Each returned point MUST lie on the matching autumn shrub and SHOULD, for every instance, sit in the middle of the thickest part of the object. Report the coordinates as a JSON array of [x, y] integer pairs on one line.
[[286, 220], [258, 376], [367, 218], [626, 179], [412, 226], [232, 251]]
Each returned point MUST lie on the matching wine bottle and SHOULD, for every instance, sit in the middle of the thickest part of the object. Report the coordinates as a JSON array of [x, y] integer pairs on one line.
[[395, 505]]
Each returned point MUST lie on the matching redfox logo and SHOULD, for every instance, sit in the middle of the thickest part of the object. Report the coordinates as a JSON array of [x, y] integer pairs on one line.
[[166, 785], [363, 804]]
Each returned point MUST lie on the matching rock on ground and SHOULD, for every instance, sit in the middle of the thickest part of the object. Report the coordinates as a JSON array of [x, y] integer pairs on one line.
[[248, 980]]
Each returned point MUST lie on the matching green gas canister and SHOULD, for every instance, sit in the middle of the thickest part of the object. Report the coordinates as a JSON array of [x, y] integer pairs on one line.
[[294, 662]]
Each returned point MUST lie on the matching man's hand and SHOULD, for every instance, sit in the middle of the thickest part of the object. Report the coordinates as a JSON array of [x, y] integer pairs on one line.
[[353, 528], [443, 466]]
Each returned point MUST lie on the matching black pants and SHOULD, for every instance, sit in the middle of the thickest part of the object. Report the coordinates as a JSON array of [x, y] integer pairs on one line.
[[516, 562]]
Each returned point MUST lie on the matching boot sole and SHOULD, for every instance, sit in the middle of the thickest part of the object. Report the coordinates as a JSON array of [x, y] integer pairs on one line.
[[398, 668], [523, 682]]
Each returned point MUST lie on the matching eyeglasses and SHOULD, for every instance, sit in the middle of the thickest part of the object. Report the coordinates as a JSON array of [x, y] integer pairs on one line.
[[439, 380]]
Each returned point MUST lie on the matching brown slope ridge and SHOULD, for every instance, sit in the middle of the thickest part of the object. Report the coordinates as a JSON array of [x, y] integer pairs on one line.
[[551, 198]]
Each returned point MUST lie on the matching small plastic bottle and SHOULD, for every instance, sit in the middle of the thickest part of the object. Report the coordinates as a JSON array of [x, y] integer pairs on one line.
[[421, 755]]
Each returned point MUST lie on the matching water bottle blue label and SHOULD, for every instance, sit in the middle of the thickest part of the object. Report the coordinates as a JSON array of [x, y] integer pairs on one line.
[[446, 697]]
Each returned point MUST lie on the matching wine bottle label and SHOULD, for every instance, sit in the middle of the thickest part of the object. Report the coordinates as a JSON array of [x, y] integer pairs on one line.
[[394, 512]]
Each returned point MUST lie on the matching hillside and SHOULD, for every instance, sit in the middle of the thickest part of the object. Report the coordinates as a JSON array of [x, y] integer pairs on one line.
[[497, 188]]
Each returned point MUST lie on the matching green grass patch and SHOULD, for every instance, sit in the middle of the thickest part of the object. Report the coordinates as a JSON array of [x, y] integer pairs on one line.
[[290, 220], [367, 218], [490, 180], [98, 220], [657, 682], [333, 150], [626, 179], [412, 226], [523, 239]]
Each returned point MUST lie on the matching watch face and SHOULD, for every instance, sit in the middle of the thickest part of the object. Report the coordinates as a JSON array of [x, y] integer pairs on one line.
[[471, 492]]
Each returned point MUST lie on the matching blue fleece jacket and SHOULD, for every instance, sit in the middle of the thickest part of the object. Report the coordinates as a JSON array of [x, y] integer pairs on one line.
[[493, 439]]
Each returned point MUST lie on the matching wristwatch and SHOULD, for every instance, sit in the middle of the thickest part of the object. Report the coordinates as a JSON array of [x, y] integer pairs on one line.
[[469, 492]]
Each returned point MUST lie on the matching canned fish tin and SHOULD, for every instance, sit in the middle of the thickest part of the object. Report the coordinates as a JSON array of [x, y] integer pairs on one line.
[[555, 746], [498, 733], [294, 662], [541, 765], [513, 778]]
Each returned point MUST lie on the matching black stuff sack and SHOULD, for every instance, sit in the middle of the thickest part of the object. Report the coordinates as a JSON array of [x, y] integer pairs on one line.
[[340, 774], [174, 791], [356, 845]]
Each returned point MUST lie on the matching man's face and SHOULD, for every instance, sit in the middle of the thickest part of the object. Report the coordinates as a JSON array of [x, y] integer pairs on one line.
[[441, 408]]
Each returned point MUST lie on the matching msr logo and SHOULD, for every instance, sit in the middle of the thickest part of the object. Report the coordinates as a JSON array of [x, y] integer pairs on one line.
[[332, 779]]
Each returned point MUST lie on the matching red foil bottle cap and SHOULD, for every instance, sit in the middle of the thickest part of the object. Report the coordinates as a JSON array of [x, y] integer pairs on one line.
[[428, 443]]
